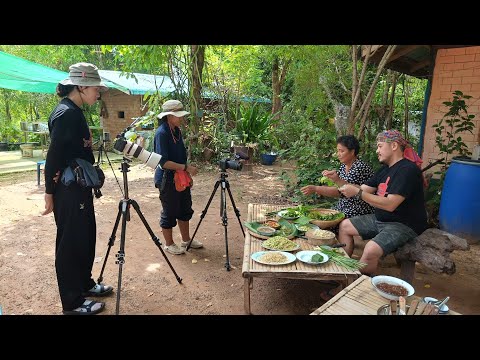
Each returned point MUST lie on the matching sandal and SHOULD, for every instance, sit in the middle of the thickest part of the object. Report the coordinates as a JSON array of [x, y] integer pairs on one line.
[[86, 308], [99, 290]]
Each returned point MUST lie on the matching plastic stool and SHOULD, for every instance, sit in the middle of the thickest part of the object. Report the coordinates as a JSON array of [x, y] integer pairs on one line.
[[39, 164]]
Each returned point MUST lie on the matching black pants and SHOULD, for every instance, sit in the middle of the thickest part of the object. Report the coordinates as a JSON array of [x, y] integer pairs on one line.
[[75, 243], [175, 205]]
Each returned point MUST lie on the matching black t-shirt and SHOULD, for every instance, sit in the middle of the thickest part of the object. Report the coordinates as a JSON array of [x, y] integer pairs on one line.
[[403, 178], [69, 139]]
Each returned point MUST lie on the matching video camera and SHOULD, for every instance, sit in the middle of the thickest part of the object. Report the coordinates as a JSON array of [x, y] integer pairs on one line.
[[229, 164], [128, 148]]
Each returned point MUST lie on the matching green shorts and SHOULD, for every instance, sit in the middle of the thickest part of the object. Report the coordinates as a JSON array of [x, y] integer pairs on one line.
[[388, 235]]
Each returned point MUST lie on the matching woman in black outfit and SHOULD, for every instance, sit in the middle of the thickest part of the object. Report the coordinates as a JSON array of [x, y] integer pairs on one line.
[[72, 205]]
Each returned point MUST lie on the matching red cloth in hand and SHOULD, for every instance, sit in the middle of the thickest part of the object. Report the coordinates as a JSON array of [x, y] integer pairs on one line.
[[182, 180]]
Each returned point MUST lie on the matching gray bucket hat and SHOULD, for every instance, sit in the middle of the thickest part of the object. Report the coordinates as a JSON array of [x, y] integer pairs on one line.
[[84, 74], [172, 107]]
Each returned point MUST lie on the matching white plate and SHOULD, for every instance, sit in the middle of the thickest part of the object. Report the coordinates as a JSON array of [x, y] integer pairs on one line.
[[269, 248], [393, 281], [282, 214], [311, 226], [290, 257], [444, 308], [306, 255]]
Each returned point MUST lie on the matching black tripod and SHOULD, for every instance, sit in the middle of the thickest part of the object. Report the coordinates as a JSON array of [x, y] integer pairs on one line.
[[223, 211], [124, 213], [101, 149]]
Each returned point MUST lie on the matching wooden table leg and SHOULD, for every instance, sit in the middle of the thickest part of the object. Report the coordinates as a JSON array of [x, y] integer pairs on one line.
[[247, 285]]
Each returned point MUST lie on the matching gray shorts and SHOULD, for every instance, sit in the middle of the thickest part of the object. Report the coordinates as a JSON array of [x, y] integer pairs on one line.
[[388, 235]]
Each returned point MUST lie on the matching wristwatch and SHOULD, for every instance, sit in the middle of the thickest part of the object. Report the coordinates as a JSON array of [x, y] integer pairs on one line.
[[359, 195]]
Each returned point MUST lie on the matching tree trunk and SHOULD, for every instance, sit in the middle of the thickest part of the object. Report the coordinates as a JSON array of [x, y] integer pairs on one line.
[[391, 108], [407, 111], [357, 85], [6, 98], [432, 249], [363, 112], [196, 105], [342, 112], [278, 79]]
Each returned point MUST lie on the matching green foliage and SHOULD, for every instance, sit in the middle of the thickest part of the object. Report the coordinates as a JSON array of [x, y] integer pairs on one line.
[[333, 64], [252, 124], [311, 143], [449, 128], [326, 181]]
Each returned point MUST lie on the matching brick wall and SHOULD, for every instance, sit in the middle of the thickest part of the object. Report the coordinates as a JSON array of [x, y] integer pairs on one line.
[[115, 102], [455, 69]]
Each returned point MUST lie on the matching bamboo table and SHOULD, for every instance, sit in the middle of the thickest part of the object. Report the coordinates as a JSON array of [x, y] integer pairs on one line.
[[361, 298], [295, 270]]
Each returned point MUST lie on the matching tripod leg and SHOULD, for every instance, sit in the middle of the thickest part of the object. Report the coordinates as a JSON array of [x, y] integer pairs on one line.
[[237, 212], [223, 214], [121, 252], [154, 237], [202, 215], [111, 241]]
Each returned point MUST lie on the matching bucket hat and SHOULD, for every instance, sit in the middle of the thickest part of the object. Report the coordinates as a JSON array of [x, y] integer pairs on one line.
[[172, 107], [84, 74]]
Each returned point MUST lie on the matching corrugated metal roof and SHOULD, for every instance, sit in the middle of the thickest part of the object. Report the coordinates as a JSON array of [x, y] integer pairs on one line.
[[143, 83], [139, 84]]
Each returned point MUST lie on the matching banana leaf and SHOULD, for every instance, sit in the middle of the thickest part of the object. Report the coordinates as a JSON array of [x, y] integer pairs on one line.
[[253, 226]]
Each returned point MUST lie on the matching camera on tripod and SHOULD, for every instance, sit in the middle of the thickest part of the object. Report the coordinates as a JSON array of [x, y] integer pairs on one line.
[[233, 164], [230, 164], [128, 148]]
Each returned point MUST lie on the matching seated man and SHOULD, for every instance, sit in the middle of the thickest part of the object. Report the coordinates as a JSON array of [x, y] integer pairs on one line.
[[396, 192]]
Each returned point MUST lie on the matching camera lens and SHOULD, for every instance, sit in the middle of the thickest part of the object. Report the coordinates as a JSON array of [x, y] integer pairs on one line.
[[234, 165], [151, 159], [229, 164]]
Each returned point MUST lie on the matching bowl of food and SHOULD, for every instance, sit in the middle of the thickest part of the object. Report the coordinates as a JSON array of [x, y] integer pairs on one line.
[[391, 287], [320, 237], [325, 218], [306, 227], [273, 224], [443, 310], [266, 230]]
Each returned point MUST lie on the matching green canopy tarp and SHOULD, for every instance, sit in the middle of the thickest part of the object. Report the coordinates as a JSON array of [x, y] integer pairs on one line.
[[20, 74]]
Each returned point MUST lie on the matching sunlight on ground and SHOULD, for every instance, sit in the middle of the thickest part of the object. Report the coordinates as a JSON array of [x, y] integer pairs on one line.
[[153, 267]]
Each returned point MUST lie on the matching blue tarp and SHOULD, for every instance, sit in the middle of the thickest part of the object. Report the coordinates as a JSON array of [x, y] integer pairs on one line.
[[17, 73], [20, 74]]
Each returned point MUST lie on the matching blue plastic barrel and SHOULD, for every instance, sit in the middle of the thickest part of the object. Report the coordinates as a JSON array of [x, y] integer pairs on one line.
[[460, 201]]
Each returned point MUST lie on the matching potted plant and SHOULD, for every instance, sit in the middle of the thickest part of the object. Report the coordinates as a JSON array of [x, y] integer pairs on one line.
[[252, 127], [268, 155]]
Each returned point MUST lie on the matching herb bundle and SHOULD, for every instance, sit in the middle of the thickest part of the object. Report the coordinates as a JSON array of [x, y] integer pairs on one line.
[[338, 258]]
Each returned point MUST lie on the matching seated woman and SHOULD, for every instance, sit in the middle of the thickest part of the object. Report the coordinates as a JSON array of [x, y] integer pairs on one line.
[[353, 171]]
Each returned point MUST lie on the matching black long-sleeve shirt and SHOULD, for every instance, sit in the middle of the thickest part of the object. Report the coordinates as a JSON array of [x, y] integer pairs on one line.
[[69, 139]]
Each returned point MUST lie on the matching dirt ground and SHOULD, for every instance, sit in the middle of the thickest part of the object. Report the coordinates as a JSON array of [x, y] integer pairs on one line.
[[27, 241]]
